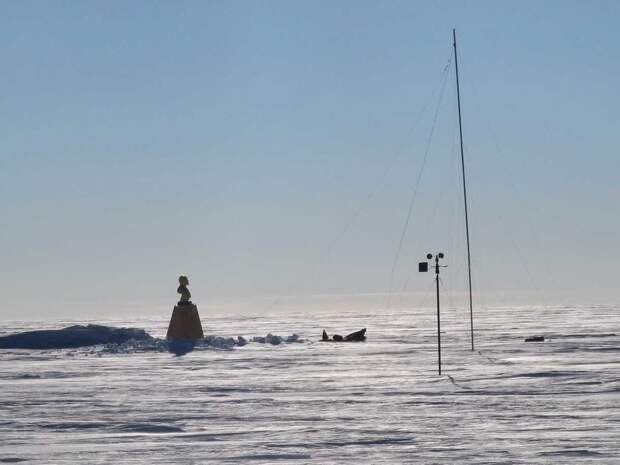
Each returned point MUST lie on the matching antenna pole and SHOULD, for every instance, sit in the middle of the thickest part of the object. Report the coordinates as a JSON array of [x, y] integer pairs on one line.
[[438, 321], [458, 98]]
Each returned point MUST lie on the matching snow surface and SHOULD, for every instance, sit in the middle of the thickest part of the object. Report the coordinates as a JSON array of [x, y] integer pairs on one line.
[[265, 399]]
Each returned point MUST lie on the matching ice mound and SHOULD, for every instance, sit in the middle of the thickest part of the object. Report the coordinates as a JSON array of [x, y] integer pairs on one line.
[[127, 340], [218, 342], [175, 346], [136, 346], [276, 340], [72, 337], [183, 346]]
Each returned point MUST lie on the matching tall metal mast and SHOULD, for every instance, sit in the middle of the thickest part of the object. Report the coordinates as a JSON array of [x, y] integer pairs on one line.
[[458, 98]]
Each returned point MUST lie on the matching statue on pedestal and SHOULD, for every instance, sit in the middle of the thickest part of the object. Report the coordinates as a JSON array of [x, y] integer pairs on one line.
[[185, 321], [184, 291]]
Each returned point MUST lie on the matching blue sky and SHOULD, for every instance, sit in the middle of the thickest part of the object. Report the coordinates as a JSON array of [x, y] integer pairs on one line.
[[271, 148]]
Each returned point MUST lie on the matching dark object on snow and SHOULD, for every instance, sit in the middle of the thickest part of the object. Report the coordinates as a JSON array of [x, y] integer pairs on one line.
[[71, 337], [357, 336], [535, 339]]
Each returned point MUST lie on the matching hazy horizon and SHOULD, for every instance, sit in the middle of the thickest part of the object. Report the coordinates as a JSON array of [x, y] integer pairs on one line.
[[271, 149]]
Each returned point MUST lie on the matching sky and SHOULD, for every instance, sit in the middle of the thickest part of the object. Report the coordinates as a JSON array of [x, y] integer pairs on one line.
[[271, 151]]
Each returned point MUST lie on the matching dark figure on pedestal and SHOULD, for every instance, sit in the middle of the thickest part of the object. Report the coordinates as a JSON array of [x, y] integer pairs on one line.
[[184, 291]]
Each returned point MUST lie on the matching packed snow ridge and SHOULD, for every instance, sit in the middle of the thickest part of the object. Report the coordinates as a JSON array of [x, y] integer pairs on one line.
[[72, 337], [123, 340]]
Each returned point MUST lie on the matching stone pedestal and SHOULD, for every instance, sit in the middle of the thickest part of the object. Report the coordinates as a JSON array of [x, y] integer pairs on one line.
[[185, 323]]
